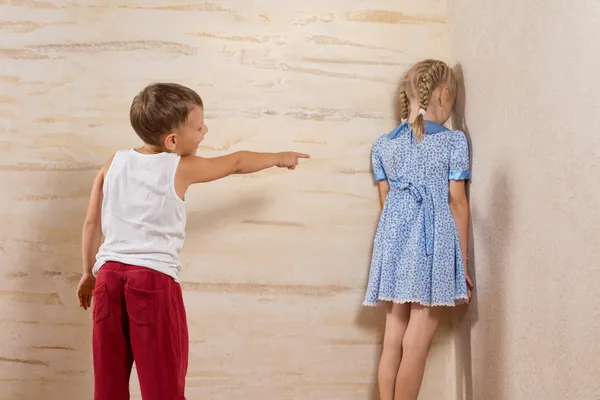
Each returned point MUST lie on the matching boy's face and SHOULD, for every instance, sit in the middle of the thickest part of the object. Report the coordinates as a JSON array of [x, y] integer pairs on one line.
[[191, 133]]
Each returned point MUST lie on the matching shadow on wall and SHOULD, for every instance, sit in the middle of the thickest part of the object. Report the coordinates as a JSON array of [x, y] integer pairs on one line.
[[465, 316], [491, 234], [234, 210]]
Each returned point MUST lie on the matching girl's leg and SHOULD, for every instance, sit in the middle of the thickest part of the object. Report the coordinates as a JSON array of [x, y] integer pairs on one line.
[[395, 326], [415, 347]]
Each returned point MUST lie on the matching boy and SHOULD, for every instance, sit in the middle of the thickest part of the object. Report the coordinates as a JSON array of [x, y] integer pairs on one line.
[[137, 204]]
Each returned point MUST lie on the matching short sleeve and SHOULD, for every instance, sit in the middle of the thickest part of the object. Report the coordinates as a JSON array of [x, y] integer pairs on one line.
[[459, 158], [376, 162]]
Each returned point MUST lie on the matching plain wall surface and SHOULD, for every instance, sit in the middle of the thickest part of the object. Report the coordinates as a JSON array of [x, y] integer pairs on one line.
[[275, 264], [532, 96]]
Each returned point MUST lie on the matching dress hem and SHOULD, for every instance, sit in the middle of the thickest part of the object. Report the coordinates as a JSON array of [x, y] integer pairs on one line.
[[457, 301]]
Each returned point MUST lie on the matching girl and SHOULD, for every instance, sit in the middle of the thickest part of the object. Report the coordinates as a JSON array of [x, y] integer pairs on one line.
[[420, 251]]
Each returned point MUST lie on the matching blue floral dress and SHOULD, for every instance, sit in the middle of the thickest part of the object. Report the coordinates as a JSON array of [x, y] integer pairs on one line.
[[416, 254]]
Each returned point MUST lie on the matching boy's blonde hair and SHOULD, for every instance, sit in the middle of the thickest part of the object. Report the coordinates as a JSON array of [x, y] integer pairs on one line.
[[418, 85]]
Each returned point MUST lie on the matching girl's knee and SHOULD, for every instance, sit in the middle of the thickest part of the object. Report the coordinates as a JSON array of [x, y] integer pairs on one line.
[[419, 336], [415, 346]]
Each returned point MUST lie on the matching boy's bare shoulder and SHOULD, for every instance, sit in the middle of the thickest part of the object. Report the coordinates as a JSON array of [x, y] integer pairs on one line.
[[189, 165]]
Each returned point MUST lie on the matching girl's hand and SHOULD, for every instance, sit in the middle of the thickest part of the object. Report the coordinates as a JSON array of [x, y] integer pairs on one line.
[[469, 285]]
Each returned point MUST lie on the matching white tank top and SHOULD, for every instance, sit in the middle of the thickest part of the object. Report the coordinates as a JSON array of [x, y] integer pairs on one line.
[[143, 219]]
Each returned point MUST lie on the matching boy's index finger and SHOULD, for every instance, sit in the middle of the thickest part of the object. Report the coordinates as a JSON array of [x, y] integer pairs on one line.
[[302, 155]]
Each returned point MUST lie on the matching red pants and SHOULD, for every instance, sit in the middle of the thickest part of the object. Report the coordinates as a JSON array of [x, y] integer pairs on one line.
[[138, 315]]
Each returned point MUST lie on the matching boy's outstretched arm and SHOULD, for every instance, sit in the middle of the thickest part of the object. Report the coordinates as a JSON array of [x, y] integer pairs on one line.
[[91, 238], [197, 169]]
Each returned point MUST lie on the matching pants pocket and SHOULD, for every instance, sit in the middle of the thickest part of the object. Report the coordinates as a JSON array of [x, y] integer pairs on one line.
[[101, 308], [142, 305]]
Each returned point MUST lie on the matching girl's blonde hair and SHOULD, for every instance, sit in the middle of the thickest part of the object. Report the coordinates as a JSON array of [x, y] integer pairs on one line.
[[418, 85]]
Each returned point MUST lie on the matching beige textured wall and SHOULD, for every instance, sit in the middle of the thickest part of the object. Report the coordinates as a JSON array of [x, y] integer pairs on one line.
[[532, 96], [275, 264]]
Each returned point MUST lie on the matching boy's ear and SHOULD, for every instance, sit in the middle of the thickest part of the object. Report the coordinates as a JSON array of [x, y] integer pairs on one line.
[[170, 141]]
